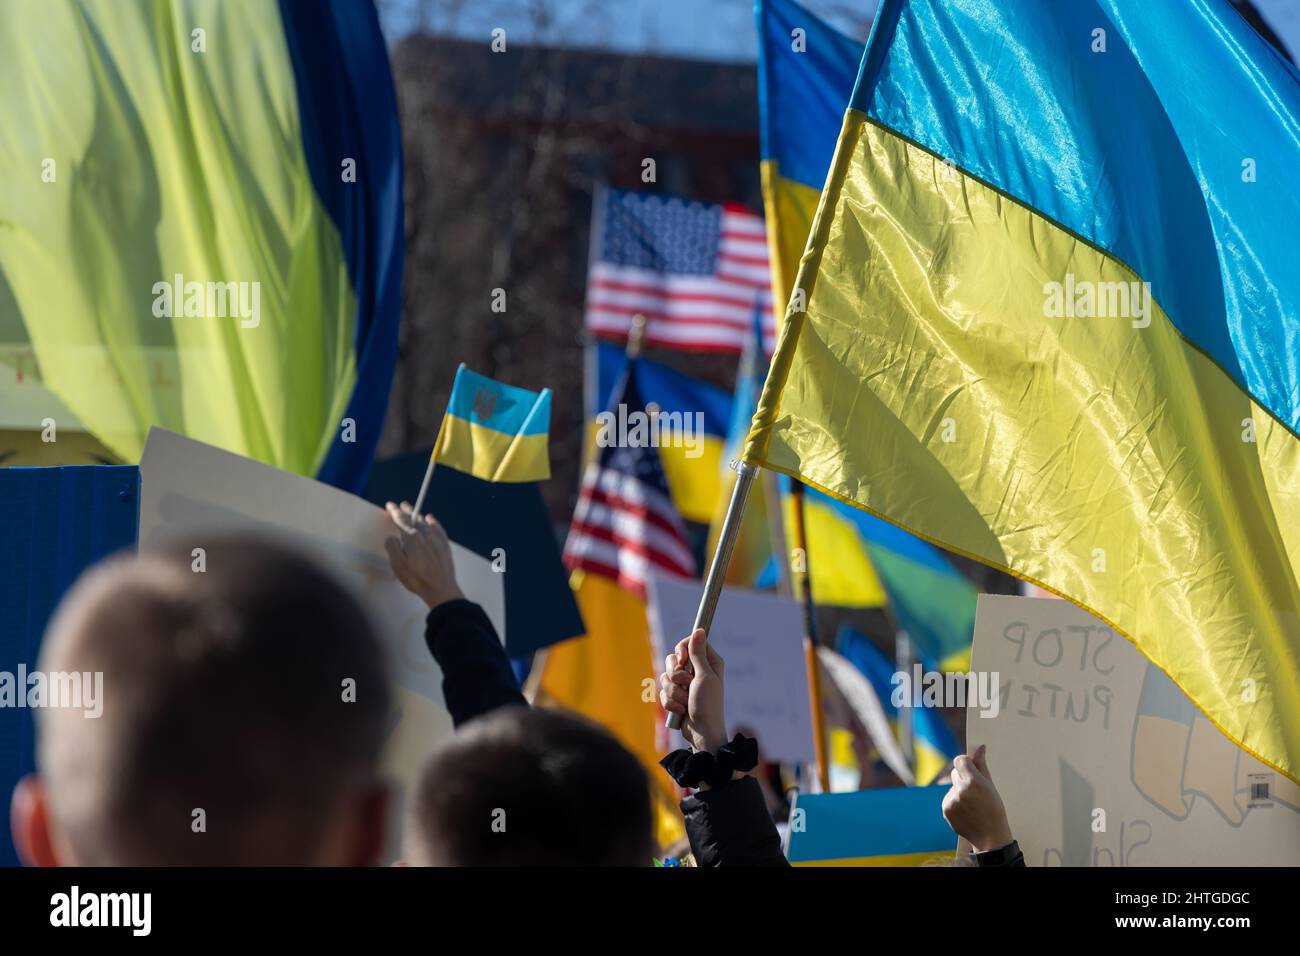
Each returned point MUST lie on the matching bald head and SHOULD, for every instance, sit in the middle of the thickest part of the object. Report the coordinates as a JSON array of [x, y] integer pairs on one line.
[[243, 711]]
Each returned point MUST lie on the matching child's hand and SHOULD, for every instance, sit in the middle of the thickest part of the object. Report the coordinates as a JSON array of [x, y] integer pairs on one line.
[[421, 557], [697, 697], [973, 808]]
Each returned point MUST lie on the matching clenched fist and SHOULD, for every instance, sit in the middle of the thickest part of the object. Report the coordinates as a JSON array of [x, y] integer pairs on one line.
[[696, 696], [972, 807]]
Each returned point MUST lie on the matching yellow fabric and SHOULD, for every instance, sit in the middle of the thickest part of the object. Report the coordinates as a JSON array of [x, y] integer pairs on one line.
[[842, 753], [602, 675], [695, 483], [169, 163], [790, 208], [489, 454], [1106, 463], [956, 662], [842, 574], [929, 763]]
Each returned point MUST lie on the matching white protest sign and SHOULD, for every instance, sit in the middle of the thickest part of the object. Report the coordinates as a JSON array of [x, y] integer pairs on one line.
[[760, 638], [1101, 759], [189, 489]]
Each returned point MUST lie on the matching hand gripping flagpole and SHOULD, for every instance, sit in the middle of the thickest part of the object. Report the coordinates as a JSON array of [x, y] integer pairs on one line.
[[721, 558]]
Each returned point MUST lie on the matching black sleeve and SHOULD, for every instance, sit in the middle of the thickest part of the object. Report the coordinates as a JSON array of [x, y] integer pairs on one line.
[[1009, 856], [730, 826], [476, 674]]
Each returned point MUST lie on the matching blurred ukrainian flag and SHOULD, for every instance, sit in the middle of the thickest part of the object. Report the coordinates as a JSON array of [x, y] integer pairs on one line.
[[929, 598], [806, 72], [892, 826], [244, 152], [933, 740], [700, 480], [692, 470]]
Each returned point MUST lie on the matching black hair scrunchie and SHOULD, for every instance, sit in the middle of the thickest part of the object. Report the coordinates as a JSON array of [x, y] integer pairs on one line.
[[690, 769]]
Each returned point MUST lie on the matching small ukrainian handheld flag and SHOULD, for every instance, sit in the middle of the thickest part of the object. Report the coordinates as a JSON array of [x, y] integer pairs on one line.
[[495, 432]]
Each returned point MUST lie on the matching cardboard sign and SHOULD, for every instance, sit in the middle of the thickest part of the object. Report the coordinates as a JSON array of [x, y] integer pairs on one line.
[[1102, 761], [760, 638], [189, 490]]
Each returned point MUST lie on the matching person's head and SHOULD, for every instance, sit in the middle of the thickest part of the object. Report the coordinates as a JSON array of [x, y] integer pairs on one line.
[[523, 787], [244, 707]]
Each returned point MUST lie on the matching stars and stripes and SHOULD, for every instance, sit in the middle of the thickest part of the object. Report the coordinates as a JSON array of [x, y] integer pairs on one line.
[[696, 271], [625, 525]]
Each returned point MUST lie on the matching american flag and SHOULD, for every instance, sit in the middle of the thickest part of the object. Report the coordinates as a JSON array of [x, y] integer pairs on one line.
[[625, 525], [696, 271]]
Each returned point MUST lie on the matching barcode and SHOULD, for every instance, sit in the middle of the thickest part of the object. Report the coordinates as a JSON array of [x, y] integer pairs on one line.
[[1260, 785]]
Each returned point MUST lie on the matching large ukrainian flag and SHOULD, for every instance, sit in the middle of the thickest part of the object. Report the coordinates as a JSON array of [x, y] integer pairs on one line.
[[997, 157], [244, 153]]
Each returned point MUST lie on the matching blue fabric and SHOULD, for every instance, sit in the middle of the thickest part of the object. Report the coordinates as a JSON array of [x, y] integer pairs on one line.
[[806, 92], [888, 822], [57, 522], [669, 389], [513, 411], [749, 385], [348, 109], [928, 726], [1138, 150]]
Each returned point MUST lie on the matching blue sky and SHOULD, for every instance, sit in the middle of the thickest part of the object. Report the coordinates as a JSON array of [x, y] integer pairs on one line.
[[701, 29]]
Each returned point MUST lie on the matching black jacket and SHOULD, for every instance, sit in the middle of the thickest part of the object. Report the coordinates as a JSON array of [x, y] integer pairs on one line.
[[1009, 856], [476, 674], [731, 826], [727, 826]]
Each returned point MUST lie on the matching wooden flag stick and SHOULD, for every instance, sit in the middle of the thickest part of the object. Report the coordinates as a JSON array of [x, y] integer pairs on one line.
[[811, 641], [428, 472], [424, 490], [903, 658]]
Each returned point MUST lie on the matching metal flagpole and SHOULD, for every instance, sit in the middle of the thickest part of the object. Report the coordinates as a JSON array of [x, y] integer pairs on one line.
[[717, 575]]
